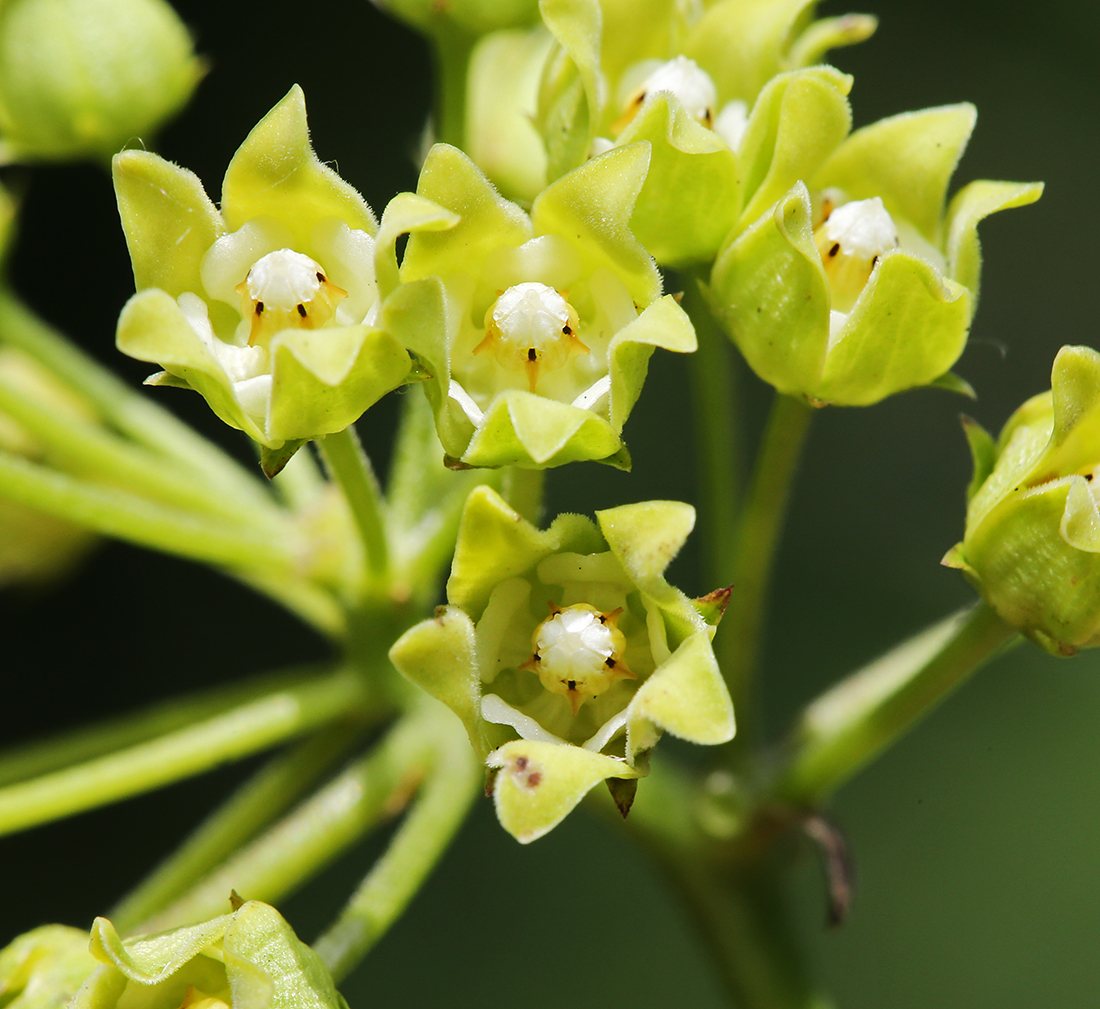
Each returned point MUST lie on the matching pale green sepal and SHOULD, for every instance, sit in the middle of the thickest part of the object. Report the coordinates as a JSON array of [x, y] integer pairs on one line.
[[494, 543], [404, 214], [797, 122], [167, 380], [538, 784], [522, 429], [592, 207], [501, 101], [250, 958], [742, 43], [153, 328], [970, 206], [662, 324], [950, 382], [908, 327], [769, 290], [487, 220], [324, 380], [830, 33], [907, 160], [691, 197], [439, 655], [44, 968], [274, 460], [168, 220], [275, 173], [569, 106], [685, 696], [983, 452]]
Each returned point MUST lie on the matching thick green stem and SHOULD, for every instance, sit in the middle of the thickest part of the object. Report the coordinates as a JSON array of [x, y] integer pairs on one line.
[[129, 411], [738, 640], [249, 810], [714, 406], [852, 722], [137, 520], [319, 830], [350, 467], [412, 854], [230, 735], [451, 47]]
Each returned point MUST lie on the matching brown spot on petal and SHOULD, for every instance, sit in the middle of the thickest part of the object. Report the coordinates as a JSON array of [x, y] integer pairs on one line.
[[533, 779]]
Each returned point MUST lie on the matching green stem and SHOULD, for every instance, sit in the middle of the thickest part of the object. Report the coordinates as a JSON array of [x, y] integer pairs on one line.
[[451, 47], [714, 403], [523, 490], [130, 412], [48, 754], [250, 809], [851, 723], [350, 467], [759, 526], [412, 853], [230, 735], [137, 520], [319, 830], [73, 444]]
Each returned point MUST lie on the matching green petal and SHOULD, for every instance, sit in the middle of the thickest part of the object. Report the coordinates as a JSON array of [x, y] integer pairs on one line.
[[769, 290], [591, 207], [971, 205], [451, 180], [571, 97], [830, 33], [645, 538], [663, 324], [406, 213], [275, 173], [742, 43], [44, 968], [149, 961], [153, 328], [908, 327], [686, 696], [539, 783], [523, 429], [1075, 440], [796, 123], [323, 380], [691, 197], [635, 30], [168, 219], [494, 543], [907, 160], [440, 656]]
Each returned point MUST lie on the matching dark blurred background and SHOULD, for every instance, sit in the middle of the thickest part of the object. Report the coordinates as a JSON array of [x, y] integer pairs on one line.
[[977, 839]]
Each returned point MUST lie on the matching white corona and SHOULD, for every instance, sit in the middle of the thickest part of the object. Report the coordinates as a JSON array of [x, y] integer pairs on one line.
[[286, 290]]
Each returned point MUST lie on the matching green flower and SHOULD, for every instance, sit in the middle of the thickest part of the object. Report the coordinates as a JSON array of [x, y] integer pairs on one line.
[[685, 79], [566, 653], [250, 959], [1032, 543], [83, 78], [535, 331], [860, 285], [266, 308], [44, 968]]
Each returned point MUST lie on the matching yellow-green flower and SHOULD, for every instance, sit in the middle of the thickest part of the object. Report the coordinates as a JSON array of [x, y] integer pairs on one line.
[[567, 654], [267, 307]]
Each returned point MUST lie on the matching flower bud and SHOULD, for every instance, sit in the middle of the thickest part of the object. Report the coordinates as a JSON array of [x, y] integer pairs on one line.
[[85, 78], [1032, 543], [566, 653]]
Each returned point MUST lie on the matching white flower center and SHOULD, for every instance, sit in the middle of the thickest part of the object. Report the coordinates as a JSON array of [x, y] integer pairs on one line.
[[682, 78], [531, 327], [732, 122], [286, 290], [578, 653], [850, 241]]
